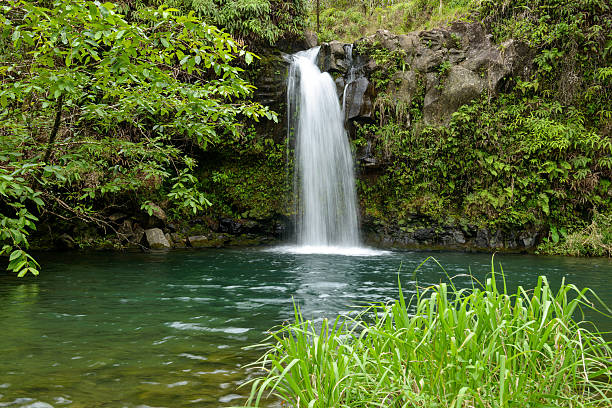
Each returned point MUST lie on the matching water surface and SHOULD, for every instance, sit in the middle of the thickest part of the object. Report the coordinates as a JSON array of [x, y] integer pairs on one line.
[[167, 329]]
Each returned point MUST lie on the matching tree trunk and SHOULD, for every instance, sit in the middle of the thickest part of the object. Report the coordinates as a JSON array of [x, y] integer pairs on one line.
[[318, 9], [56, 125]]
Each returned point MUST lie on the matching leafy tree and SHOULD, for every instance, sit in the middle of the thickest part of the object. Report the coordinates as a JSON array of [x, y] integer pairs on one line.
[[93, 106], [252, 21]]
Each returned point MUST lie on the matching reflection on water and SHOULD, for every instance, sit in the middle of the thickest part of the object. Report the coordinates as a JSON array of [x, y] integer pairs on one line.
[[167, 329]]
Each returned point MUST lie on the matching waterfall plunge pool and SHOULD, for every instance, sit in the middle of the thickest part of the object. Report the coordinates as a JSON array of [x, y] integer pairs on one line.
[[168, 329]]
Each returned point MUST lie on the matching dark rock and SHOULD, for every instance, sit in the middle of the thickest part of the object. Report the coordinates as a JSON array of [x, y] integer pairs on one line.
[[156, 239], [126, 230], [528, 239], [435, 40], [332, 57], [408, 43], [455, 56], [230, 226], [339, 86], [458, 236], [424, 235], [171, 227], [497, 240], [178, 240], [428, 60], [360, 95], [139, 233], [482, 238], [66, 241]]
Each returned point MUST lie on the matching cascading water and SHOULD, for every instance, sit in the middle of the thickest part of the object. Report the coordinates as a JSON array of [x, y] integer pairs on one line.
[[324, 181]]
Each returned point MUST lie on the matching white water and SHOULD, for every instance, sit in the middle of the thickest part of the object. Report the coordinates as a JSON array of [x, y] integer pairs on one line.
[[325, 184]]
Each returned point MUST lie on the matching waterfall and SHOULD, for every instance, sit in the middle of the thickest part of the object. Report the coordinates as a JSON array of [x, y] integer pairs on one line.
[[324, 179]]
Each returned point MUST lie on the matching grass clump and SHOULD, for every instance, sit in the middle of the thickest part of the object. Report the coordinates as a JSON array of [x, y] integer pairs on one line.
[[445, 347], [594, 240]]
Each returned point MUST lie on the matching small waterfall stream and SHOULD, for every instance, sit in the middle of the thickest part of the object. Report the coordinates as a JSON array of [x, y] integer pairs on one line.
[[324, 182]]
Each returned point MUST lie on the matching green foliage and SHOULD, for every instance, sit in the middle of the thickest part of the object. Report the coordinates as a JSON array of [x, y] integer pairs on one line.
[[539, 155], [249, 179], [110, 105], [250, 21], [508, 163], [593, 240], [444, 347], [16, 220], [349, 20]]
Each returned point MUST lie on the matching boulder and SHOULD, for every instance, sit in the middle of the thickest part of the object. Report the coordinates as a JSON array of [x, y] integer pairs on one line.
[[408, 43], [156, 239], [333, 58], [446, 94], [198, 241], [212, 241], [157, 212], [310, 38], [230, 226]]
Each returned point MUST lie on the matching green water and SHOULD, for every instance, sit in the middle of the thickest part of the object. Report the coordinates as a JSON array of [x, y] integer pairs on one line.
[[167, 329]]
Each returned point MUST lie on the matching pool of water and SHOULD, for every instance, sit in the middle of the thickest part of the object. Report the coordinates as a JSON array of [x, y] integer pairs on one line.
[[168, 329]]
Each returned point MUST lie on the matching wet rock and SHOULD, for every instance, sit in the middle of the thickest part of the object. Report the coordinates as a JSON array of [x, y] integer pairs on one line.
[[156, 239], [528, 239], [209, 241], [198, 241], [339, 86], [482, 238], [178, 240], [230, 226], [458, 236], [497, 240], [360, 95], [332, 57], [424, 235]]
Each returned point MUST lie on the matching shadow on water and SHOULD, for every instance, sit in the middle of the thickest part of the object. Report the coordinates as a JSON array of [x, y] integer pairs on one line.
[[168, 329]]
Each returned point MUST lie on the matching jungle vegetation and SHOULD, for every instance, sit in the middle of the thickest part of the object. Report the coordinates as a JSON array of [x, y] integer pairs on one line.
[[122, 106]]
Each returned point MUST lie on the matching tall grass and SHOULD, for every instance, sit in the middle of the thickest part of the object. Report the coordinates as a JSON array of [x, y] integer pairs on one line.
[[445, 347]]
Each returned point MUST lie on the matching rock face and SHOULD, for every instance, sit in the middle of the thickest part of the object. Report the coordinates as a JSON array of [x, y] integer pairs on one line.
[[156, 239], [454, 65], [359, 99], [424, 233]]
